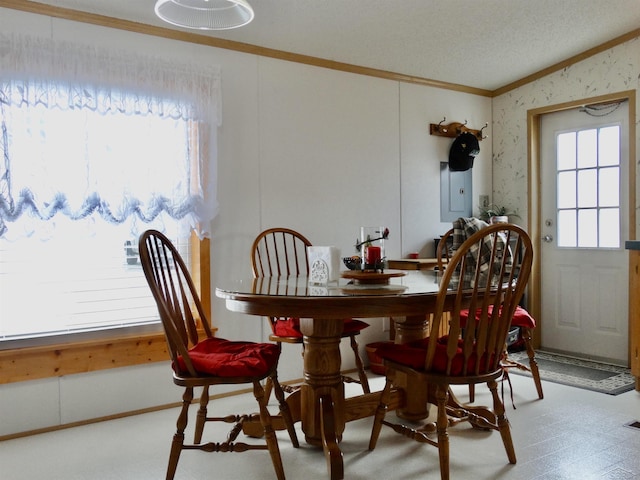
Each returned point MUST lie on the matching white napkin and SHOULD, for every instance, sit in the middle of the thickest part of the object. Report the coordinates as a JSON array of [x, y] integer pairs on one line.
[[324, 264]]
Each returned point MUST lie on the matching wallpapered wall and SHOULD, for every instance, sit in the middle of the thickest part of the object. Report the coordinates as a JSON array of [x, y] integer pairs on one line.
[[614, 70]]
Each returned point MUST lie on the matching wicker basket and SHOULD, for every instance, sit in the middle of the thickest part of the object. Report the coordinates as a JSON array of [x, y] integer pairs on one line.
[[376, 364]]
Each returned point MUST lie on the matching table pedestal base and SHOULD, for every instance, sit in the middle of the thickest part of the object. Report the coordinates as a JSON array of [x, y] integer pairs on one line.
[[322, 378]]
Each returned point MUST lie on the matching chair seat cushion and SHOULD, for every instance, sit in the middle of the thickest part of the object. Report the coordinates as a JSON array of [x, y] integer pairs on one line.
[[224, 358], [290, 327], [521, 318], [414, 354]]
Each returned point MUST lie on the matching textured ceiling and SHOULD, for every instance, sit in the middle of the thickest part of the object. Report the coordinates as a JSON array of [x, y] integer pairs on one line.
[[484, 44]]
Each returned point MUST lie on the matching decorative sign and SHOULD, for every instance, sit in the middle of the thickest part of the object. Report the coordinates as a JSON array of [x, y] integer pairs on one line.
[[324, 264]]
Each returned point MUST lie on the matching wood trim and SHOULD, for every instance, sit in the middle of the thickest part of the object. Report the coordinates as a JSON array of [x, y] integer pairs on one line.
[[632, 164], [200, 262], [101, 20], [65, 359], [634, 315], [567, 63], [105, 21], [534, 225]]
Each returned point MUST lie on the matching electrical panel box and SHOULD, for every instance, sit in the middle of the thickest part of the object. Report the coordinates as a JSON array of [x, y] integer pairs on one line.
[[455, 194]]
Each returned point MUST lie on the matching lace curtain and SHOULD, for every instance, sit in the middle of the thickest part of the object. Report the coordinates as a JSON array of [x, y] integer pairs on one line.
[[90, 133]]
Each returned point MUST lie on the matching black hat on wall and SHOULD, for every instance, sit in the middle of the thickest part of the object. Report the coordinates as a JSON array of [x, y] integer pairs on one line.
[[463, 150]]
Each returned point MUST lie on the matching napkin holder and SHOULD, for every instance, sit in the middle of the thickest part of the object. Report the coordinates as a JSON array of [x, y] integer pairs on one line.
[[324, 264]]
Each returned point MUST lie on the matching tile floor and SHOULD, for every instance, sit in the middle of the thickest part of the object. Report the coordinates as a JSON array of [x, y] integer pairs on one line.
[[571, 434]]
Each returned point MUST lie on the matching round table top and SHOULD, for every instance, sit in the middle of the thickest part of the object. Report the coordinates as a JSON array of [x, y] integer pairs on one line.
[[411, 294]]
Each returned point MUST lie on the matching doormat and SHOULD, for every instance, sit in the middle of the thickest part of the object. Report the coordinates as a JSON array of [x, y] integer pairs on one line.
[[579, 373]]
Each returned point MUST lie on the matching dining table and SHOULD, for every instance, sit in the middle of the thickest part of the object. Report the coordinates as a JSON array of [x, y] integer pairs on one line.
[[409, 297]]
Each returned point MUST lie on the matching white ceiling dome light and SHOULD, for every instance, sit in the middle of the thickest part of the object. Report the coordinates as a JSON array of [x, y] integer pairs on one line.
[[205, 14]]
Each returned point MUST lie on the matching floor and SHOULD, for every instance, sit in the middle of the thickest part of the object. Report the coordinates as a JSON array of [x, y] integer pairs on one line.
[[571, 434]]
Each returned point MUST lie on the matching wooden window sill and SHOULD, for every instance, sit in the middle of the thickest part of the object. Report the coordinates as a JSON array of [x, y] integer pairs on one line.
[[79, 357]]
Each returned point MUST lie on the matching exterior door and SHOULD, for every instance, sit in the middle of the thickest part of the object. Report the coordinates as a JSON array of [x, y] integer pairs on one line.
[[584, 207]]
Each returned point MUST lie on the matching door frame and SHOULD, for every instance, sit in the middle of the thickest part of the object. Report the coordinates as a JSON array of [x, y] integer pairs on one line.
[[534, 186]]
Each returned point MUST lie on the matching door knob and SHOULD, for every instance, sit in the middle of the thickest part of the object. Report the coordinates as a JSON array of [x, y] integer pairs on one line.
[[547, 238]]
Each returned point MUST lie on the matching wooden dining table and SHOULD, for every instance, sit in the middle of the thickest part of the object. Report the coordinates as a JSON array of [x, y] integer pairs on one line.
[[409, 297]]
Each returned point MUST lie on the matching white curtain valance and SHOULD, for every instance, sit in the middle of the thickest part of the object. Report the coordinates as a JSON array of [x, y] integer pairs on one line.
[[92, 77]]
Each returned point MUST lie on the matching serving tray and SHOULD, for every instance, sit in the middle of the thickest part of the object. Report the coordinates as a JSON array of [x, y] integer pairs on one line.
[[360, 277]]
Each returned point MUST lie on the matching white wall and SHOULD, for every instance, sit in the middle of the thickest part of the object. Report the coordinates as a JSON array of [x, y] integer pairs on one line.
[[317, 150]]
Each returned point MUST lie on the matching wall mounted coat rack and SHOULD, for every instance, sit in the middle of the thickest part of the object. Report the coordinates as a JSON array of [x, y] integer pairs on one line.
[[454, 129]]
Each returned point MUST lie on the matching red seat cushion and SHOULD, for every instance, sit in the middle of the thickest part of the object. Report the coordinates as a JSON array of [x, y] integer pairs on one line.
[[290, 327], [414, 354], [352, 326], [223, 358], [521, 318], [287, 327]]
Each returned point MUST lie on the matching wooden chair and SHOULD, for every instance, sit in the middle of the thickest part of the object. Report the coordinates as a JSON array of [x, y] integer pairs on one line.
[[443, 251], [521, 318], [201, 360], [480, 277], [283, 252]]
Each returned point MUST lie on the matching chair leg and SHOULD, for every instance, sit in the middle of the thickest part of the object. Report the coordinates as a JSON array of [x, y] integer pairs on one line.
[[380, 414], [285, 411], [269, 433], [268, 387], [442, 423], [472, 393], [178, 437], [502, 422], [533, 364], [201, 417], [364, 381]]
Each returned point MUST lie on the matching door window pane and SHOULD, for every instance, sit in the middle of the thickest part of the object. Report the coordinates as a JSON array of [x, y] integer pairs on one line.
[[588, 228], [567, 228], [566, 151], [587, 148], [609, 227], [608, 194], [588, 188], [567, 189], [609, 146]]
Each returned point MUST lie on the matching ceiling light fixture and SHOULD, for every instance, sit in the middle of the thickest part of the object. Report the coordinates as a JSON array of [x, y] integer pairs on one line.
[[205, 14]]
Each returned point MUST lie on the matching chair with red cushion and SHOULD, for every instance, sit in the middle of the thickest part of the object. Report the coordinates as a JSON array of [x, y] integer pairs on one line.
[[521, 318], [201, 360], [480, 278], [283, 252]]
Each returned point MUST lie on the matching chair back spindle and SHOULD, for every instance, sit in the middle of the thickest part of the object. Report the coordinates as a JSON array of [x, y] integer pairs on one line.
[[280, 252]]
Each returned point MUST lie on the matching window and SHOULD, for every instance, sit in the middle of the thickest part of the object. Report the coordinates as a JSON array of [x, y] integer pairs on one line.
[[588, 197], [96, 147], [86, 278]]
